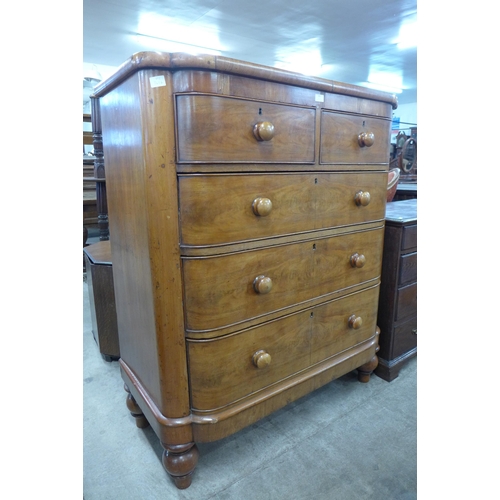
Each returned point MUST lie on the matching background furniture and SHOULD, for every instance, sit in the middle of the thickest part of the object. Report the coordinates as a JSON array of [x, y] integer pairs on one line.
[[397, 311], [102, 298], [247, 218], [95, 207], [404, 155], [406, 191], [99, 172], [89, 185]]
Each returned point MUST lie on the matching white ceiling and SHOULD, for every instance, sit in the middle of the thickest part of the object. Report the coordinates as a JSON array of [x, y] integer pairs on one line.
[[352, 41]]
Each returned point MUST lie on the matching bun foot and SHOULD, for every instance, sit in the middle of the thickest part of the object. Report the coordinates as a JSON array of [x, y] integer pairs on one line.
[[183, 482], [364, 371], [180, 462], [135, 411]]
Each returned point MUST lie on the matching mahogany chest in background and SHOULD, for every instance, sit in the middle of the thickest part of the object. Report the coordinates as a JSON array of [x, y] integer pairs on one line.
[[397, 311]]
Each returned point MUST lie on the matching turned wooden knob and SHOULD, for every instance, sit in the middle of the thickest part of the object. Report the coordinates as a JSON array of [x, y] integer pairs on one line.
[[263, 131], [355, 322], [362, 198], [366, 139], [262, 206], [262, 284], [261, 359], [358, 260]]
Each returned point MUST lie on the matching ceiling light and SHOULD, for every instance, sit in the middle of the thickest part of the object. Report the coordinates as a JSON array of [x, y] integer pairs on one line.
[[165, 45], [384, 88], [300, 63], [384, 78], [407, 36], [169, 34], [305, 62]]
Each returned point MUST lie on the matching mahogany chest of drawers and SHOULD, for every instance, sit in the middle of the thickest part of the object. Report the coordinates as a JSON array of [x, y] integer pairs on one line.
[[397, 312], [246, 208]]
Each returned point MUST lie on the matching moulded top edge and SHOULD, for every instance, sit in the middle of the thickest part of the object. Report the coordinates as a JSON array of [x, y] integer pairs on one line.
[[180, 60]]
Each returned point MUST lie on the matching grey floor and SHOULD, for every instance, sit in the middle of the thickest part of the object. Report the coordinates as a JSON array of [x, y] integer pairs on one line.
[[345, 441]]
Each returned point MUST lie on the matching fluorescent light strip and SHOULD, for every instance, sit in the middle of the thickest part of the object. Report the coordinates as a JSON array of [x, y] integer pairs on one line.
[[173, 45], [384, 88]]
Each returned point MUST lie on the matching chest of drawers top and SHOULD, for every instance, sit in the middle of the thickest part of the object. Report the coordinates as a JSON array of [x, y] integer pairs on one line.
[[401, 212], [402, 216], [204, 67], [229, 112]]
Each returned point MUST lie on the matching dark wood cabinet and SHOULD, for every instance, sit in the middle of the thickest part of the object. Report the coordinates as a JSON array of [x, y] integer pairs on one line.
[[397, 311], [102, 298]]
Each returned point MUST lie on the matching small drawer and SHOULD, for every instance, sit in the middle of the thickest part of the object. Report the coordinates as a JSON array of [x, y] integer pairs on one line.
[[405, 337], [219, 129], [409, 238], [230, 368], [408, 268], [350, 104], [406, 301], [227, 290], [354, 139], [217, 209]]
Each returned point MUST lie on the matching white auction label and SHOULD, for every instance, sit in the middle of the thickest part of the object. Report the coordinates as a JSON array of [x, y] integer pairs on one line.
[[319, 98], [157, 81]]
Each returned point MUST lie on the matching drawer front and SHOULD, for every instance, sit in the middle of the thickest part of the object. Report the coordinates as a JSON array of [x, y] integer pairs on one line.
[[340, 139], [227, 369], [225, 290], [409, 238], [408, 268], [216, 129], [350, 104], [405, 337], [217, 209], [406, 301]]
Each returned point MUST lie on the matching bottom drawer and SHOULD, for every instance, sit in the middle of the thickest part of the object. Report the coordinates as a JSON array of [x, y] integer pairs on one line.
[[226, 369], [405, 338]]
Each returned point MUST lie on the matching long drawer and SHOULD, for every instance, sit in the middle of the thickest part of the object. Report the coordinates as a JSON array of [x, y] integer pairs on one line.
[[405, 337], [217, 209], [349, 138], [225, 290], [408, 268], [409, 239], [406, 301], [229, 368], [216, 129]]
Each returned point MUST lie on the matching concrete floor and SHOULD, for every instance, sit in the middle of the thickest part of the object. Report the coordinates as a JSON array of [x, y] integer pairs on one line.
[[345, 441]]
